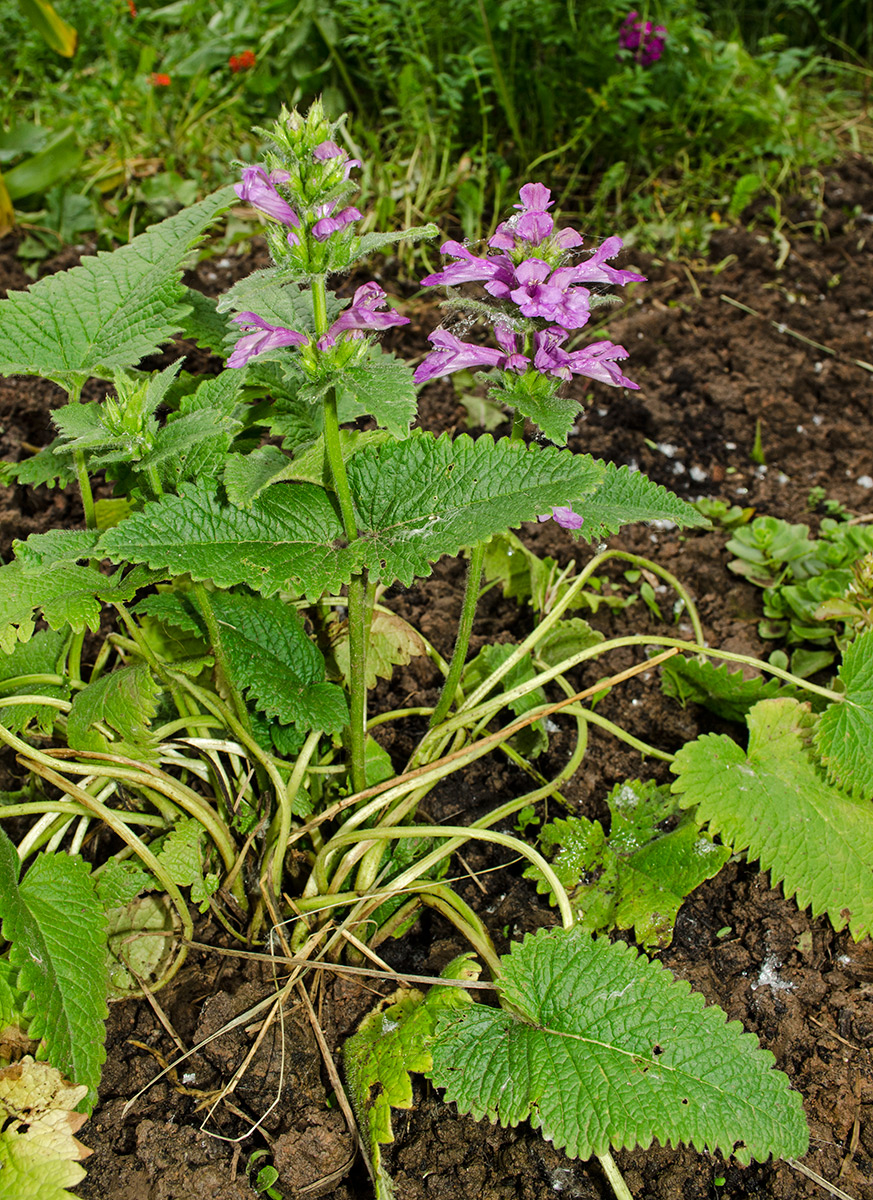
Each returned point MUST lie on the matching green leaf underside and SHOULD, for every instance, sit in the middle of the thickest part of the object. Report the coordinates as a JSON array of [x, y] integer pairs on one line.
[[604, 1048], [181, 855], [725, 692], [638, 875], [391, 1042], [65, 593], [416, 500], [625, 496], [40, 656], [844, 737], [111, 310], [774, 804], [57, 929]]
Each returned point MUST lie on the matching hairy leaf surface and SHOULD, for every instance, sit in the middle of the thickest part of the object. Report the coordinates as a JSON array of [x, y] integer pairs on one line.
[[125, 700], [110, 311], [774, 803], [845, 732], [600, 1047], [637, 876], [57, 929], [625, 496]]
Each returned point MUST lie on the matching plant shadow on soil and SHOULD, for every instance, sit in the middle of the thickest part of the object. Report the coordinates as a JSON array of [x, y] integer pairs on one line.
[[708, 373]]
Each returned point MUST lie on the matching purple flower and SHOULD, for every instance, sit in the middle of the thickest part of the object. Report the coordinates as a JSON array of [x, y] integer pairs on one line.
[[327, 224], [468, 268], [451, 354], [325, 151], [596, 361], [594, 269], [535, 196], [565, 517], [541, 292], [261, 337], [644, 41], [258, 189], [364, 312]]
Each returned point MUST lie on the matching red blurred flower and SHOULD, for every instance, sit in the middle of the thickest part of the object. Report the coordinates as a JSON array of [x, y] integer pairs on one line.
[[132, 7], [160, 80], [242, 62]]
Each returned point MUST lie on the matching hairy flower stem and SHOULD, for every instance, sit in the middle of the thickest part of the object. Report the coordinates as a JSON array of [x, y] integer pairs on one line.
[[465, 628], [468, 611], [357, 592], [225, 686]]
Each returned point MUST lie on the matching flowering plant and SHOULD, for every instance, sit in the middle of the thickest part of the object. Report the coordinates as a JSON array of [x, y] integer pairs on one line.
[[254, 523], [644, 41]]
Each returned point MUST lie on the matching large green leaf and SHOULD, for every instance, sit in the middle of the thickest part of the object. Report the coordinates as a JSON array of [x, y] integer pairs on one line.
[[42, 655], [726, 693], [111, 310], [845, 732], [125, 701], [774, 803], [600, 1047], [416, 501], [57, 929]]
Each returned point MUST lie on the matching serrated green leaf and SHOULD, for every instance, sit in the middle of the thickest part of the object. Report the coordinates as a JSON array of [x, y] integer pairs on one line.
[[122, 880], [270, 657], [416, 501], [393, 643], [391, 1042], [124, 700], [66, 594], [536, 397], [43, 655], [729, 694], [363, 247], [568, 637], [50, 467], [247, 475], [844, 737], [57, 546], [57, 929], [181, 854], [625, 496], [205, 325], [423, 497], [111, 310], [140, 945], [600, 1047], [638, 876], [774, 803], [39, 1154], [382, 386], [283, 304]]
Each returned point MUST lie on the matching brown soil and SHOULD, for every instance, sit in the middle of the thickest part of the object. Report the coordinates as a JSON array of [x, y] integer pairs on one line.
[[709, 372]]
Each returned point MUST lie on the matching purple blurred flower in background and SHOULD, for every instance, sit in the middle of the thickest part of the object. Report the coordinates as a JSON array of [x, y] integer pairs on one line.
[[261, 337], [643, 40], [565, 517], [259, 189]]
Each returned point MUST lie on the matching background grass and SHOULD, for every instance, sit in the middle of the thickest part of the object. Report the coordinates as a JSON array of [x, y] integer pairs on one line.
[[453, 104]]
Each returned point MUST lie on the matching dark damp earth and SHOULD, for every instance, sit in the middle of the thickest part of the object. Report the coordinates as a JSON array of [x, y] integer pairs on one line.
[[709, 372]]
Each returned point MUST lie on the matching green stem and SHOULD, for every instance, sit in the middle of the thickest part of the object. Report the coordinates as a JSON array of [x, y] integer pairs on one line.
[[222, 674], [85, 489], [277, 841], [358, 626], [465, 628], [614, 1177], [454, 909]]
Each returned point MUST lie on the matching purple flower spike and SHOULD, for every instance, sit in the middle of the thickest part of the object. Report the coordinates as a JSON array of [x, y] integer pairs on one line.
[[597, 361], [467, 269], [258, 189], [328, 225], [451, 354], [595, 270], [565, 517], [535, 296], [365, 312], [261, 337]]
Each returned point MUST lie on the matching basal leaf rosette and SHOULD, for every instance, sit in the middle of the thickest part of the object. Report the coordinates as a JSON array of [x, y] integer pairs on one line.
[[599, 1047]]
